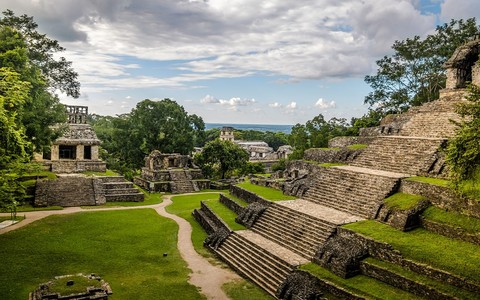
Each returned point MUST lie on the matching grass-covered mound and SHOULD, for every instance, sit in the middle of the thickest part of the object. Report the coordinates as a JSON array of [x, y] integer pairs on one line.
[[453, 219], [402, 201], [125, 248], [423, 246], [265, 192], [360, 285]]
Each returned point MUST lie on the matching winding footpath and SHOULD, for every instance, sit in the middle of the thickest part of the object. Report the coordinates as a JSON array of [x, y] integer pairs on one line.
[[207, 277]]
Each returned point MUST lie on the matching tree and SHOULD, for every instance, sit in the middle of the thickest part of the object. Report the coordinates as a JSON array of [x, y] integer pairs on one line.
[[30, 54], [151, 125], [13, 143], [221, 157], [463, 151], [414, 74]]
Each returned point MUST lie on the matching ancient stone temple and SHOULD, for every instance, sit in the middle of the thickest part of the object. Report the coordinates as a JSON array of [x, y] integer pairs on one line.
[[346, 221], [171, 172], [77, 149]]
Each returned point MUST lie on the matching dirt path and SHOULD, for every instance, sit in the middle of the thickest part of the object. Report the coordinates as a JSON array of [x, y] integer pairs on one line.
[[207, 277]]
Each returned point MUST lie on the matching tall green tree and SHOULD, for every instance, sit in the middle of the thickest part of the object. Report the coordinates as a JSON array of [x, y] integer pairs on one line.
[[219, 158], [413, 74], [46, 74], [463, 151], [152, 125]]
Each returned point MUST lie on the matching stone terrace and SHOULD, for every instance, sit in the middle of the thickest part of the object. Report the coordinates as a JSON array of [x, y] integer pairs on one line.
[[354, 190]]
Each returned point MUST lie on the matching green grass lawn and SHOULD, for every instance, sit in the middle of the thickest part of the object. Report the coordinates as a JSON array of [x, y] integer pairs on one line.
[[361, 285], [242, 289], [150, 199], [430, 180], [469, 224], [227, 215], [183, 207], [452, 255], [123, 247], [402, 201], [265, 192], [28, 207]]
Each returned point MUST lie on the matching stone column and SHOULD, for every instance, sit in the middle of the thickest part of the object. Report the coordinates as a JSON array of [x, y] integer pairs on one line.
[[79, 154], [95, 152], [54, 153]]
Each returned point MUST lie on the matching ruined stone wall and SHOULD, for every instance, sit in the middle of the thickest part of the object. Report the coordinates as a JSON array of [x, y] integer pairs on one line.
[[342, 155], [77, 166], [345, 141], [247, 196], [442, 197], [68, 191]]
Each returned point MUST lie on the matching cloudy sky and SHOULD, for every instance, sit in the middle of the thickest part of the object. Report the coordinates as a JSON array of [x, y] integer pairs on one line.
[[233, 61]]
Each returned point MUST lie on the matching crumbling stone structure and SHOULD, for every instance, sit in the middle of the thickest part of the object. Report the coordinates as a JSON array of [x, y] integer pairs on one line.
[[99, 290], [171, 172], [314, 228], [77, 149]]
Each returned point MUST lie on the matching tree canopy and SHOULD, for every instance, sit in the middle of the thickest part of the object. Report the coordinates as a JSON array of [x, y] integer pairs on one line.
[[463, 151], [152, 125], [414, 73], [218, 158], [31, 55], [315, 134]]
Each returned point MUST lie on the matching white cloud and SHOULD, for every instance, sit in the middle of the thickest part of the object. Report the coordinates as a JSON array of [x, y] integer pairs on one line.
[[323, 104], [237, 102], [311, 39], [292, 105], [453, 9], [209, 99], [275, 105]]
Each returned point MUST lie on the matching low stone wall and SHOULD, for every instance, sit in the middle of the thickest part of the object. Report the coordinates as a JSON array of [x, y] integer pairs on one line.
[[76, 166], [202, 184], [401, 282], [403, 220], [69, 191], [451, 232], [291, 289], [442, 197], [342, 155], [247, 196], [213, 217], [384, 251], [345, 141], [231, 204], [267, 182]]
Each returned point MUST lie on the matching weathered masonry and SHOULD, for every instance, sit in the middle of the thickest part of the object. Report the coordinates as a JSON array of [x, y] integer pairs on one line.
[[77, 149]]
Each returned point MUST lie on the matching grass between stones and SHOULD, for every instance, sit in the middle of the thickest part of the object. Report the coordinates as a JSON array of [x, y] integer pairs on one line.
[[225, 214], [360, 285], [444, 288], [265, 192], [423, 246], [242, 289], [402, 201], [469, 224], [183, 207], [430, 180], [357, 146], [125, 248]]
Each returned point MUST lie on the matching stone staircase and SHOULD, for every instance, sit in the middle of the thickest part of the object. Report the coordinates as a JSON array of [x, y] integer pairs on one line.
[[400, 154], [117, 189], [354, 190], [182, 182], [261, 260], [294, 230], [432, 119]]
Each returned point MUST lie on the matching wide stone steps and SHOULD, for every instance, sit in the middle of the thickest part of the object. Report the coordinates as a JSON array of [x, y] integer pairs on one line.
[[353, 190], [117, 189], [295, 231], [399, 154], [262, 261]]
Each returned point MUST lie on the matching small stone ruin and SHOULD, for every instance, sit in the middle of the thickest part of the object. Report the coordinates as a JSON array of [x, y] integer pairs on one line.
[[73, 287], [171, 172]]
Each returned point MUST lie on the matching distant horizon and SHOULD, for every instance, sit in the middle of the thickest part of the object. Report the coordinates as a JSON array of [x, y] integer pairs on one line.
[[257, 127]]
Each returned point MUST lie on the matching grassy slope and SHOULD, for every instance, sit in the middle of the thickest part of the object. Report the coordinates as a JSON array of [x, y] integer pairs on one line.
[[455, 256], [469, 224], [265, 192], [124, 247]]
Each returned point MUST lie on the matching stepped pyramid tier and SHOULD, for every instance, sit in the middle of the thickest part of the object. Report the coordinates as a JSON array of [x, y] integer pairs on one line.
[[76, 190], [171, 172], [322, 226]]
